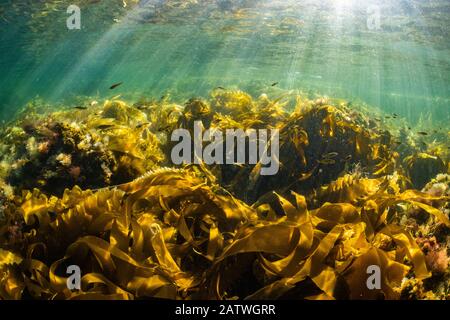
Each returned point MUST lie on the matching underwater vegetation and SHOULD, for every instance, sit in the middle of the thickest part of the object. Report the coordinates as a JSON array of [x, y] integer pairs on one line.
[[93, 185]]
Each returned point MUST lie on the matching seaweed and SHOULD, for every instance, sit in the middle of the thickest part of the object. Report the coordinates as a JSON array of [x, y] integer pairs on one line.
[[90, 148], [139, 227]]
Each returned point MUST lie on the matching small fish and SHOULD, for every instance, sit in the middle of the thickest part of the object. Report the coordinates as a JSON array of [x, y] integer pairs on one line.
[[330, 155], [395, 115], [80, 108], [326, 161], [422, 133], [255, 174], [116, 97], [163, 129], [409, 128], [377, 119], [388, 117], [221, 88], [274, 84], [105, 126], [306, 175], [142, 124], [115, 85], [348, 158], [169, 113]]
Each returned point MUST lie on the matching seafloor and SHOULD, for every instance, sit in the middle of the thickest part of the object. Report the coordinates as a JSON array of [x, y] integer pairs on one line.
[[93, 185]]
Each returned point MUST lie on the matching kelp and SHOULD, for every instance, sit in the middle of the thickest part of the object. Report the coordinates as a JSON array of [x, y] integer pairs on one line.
[[160, 215], [332, 127], [103, 145], [172, 234], [337, 206], [311, 132]]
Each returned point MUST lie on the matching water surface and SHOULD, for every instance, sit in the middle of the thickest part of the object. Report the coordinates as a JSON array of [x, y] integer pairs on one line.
[[186, 48]]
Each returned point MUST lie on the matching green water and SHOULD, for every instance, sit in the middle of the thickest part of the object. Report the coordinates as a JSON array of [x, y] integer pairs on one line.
[[186, 48]]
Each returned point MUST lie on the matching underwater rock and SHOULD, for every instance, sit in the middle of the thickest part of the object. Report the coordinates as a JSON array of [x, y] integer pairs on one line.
[[438, 186], [90, 148], [435, 254], [423, 167], [48, 164], [414, 289]]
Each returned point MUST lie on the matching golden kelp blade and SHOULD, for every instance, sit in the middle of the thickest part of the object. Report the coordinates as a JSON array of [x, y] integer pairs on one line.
[[7, 258], [150, 231]]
